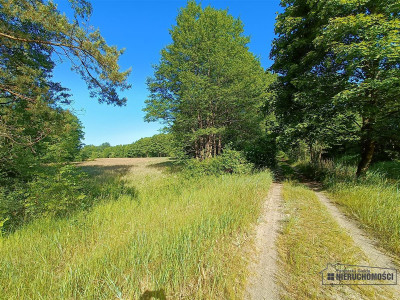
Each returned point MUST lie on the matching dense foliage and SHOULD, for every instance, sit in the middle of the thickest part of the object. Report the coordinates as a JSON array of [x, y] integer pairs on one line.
[[208, 87], [229, 162], [55, 191], [37, 131], [338, 63]]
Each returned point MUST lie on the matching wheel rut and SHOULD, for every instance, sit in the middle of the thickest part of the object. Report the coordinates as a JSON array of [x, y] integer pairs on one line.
[[262, 284], [376, 256]]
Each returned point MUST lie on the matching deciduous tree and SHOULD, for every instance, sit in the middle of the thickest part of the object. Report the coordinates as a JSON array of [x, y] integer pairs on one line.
[[339, 64], [208, 88]]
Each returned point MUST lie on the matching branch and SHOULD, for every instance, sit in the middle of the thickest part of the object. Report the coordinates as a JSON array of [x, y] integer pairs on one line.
[[40, 42], [18, 95], [338, 132], [61, 45], [86, 68]]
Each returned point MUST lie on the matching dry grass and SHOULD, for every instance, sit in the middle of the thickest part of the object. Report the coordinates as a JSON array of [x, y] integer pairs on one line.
[[140, 161]]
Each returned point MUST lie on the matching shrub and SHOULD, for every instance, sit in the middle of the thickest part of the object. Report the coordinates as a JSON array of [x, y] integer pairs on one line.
[[333, 172], [57, 194], [12, 195], [55, 191], [229, 162]]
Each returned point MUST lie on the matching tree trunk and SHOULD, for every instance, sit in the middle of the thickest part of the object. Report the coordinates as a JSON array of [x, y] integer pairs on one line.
[[367, 152], [311, 152], [219, 145], [196, 148], [367, 147], [208, 147], [201, 148], [214, 145]]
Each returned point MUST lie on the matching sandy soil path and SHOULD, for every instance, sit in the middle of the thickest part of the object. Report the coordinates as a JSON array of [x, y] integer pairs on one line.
[[262, 283], [375, 255]]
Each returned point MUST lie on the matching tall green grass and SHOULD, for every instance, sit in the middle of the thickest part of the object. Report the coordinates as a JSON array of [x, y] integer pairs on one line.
[[178, 238]]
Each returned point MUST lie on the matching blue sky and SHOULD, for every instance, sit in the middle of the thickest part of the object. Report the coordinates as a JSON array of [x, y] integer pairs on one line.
[[142, 27]]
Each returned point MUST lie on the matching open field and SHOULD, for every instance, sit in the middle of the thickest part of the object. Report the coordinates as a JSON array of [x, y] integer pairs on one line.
[[130, 162], [174, 238]]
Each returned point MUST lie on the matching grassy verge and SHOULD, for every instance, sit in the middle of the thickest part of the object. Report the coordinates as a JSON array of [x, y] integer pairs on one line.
[[310, 240], [178, 238]]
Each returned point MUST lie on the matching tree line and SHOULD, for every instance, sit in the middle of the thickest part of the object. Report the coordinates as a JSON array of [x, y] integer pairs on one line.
[[334, 84], [159, 145], [338, 67]]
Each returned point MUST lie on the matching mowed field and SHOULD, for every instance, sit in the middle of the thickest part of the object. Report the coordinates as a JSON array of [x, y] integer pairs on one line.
[[172, 237]]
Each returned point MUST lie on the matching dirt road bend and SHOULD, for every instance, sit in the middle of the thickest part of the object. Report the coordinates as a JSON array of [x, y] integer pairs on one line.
[[262, 283]]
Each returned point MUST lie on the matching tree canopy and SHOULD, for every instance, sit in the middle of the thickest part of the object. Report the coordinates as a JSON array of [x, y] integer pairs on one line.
[[339, 70], [208, 88], [34, 38]]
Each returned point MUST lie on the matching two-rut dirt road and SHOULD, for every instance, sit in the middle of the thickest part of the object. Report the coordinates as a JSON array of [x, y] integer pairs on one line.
[[263, 283]]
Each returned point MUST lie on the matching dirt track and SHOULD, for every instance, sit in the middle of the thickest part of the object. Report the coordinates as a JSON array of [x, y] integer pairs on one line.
[[262, 284], [375, 256]]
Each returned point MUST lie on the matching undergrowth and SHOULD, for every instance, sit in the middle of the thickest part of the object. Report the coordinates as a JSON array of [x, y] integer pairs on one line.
[[55, 191]]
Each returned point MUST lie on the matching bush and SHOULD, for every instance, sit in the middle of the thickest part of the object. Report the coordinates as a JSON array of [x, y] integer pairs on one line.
[[333, 172], [12, 195], [229, 162], [55, 191], [56, 195], [389, 169]]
